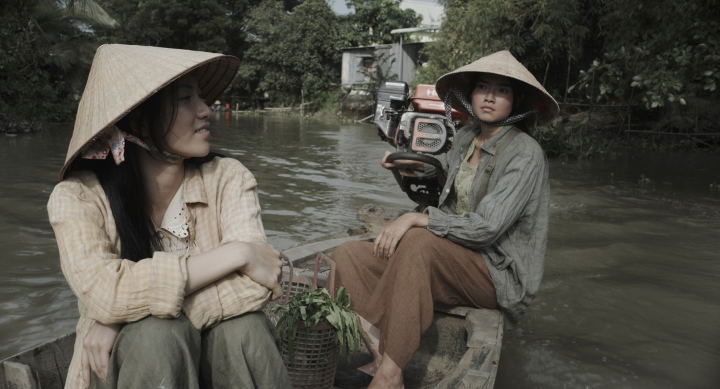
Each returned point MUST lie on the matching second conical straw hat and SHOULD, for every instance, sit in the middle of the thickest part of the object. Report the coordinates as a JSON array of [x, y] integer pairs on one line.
[[504, 64], [123, 76]]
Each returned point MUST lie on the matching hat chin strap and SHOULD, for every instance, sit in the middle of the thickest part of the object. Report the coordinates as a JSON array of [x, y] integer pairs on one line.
[[112, 141], [466, 104]]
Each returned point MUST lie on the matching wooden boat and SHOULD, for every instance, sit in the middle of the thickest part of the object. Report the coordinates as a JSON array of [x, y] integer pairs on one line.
[[461, 349]]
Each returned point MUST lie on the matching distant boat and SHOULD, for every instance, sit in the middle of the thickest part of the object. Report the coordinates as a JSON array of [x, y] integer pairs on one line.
[[461, 346]]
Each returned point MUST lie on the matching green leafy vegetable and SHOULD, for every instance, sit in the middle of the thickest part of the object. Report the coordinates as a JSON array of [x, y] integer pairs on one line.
[[317, 306]]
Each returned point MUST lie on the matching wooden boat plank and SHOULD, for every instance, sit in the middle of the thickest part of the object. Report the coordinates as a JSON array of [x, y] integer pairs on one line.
[[309, 251], [18, 375], [456, 310], [49, 362], [482, 326], [470, 363]]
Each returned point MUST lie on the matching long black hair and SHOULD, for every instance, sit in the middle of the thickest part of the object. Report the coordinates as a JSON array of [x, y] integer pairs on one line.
[[123, 184]]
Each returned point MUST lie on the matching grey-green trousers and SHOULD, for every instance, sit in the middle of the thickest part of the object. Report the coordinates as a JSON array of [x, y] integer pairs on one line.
[[156, 353]]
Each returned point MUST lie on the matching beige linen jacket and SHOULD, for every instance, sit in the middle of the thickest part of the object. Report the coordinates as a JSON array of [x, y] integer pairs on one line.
[[221, 199]]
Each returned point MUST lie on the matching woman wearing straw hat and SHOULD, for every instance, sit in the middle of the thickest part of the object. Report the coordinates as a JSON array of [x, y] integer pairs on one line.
[[482, 246], [160, 240]]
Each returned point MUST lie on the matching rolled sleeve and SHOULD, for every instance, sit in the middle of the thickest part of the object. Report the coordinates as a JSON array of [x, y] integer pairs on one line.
[[239, 294], [203, 308], [112, 289], [167, 284], [438, 222]]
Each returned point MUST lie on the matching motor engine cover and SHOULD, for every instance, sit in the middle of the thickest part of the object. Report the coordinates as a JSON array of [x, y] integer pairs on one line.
[[423, 133], [391, 98]]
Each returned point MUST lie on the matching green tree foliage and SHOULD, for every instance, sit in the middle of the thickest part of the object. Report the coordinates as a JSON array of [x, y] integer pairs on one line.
[[314, 45], [291, 53], [45, 54], [629, 50], [373, 20], [470, 30], [297, 52], [183, 24], [537, 32], [658, 54], [206, 25]]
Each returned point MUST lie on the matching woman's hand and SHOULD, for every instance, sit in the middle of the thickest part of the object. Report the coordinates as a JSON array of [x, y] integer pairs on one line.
[[257, 260], [263, 265], [97, 346], [400, 163], [390, 236]]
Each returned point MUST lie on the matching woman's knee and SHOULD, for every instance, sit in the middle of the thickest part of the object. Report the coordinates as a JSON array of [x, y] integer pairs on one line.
[[245, 330], [418, 237], [417, 246], [348, 256], [153, 334], [243, 352], [153, 349]]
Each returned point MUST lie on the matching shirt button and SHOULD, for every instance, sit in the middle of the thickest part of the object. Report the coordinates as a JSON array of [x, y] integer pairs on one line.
[[447, 190], [161, 235]]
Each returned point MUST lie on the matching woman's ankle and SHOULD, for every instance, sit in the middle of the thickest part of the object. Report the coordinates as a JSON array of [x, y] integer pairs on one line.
[[371, 368], [388, 375]]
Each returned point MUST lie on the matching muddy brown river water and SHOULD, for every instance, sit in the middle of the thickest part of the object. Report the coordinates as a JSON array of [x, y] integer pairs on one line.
[[630, 296]]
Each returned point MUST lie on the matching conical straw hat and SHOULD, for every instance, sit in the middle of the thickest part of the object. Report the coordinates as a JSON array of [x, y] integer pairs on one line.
[[504, 64], [123, 76]]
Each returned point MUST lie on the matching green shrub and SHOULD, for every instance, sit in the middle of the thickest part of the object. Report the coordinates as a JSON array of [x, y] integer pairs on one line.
[[563, 139]]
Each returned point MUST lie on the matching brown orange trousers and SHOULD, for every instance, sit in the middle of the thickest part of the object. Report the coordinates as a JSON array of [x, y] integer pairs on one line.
[[397, 296]]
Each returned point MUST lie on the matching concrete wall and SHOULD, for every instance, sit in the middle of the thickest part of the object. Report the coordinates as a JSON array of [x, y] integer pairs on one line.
[[355, 58]]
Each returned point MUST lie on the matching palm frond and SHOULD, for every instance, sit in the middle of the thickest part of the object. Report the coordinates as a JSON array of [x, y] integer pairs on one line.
[[91, 12]]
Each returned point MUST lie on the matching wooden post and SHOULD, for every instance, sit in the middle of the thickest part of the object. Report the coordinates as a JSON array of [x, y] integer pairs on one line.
[[592, 97], [632, 93], [567, 82], [546, 72], [302, 102], [18, 376]]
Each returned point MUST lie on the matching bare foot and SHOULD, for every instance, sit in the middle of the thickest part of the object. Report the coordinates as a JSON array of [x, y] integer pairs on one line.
[[388, 375], [371, 337]]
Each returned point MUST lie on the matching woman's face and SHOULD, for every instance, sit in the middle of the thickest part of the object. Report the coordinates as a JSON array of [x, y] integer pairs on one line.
[[189, 134], [492, 98]]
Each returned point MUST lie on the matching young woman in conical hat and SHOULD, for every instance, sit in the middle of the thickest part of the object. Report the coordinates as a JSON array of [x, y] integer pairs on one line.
[[160, 240], [482, 246]]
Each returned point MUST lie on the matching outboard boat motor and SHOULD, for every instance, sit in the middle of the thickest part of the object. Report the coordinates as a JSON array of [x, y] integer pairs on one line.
[[417, 131], [391, 99]]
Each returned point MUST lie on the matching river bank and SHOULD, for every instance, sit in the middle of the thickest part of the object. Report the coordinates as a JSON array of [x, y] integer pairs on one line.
[[10, 126], [582, 131], [629, 298]]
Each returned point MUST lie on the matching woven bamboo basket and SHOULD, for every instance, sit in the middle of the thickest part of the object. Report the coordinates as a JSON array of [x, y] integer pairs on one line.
[[293, 285], [316, 352]]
